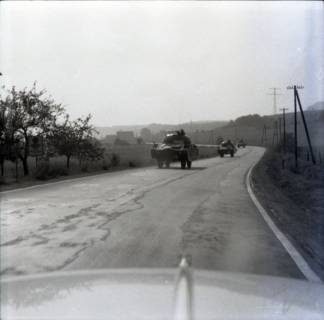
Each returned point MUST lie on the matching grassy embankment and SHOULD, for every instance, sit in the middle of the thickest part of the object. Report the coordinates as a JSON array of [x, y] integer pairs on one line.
[[295, 201]]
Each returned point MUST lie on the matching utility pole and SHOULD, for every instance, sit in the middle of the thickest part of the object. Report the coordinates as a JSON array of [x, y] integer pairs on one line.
[[275, 133], [284, 137], [274, 94], [295, 122], [264, 138], [284, 127], [305, 127], [295, 129]]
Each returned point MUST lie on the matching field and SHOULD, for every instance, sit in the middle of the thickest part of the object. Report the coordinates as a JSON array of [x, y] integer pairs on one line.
[[115, 158]]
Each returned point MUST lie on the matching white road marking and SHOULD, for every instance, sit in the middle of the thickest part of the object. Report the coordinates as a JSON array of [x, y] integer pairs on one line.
[[292, 251]]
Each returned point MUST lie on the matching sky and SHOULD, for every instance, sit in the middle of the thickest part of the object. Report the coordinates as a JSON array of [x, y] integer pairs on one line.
[[164, 62]]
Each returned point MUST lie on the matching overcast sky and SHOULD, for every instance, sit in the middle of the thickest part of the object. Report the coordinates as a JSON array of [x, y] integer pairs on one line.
[[169, 62]]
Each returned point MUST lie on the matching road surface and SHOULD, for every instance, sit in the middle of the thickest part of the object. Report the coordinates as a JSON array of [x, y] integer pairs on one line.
[[144, 217]]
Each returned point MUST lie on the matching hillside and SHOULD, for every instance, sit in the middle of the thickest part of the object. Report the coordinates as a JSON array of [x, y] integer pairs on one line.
[[316, 106], [251, 128], [157, 127]]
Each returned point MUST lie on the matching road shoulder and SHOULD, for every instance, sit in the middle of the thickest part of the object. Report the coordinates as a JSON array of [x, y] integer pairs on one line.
[[295, 222]]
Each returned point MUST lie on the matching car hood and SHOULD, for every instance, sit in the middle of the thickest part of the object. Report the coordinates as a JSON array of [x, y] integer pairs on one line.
[[154, 294]]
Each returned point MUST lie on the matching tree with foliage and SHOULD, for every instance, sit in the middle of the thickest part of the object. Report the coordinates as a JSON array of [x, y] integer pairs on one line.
[[90, 149], [63, 139], [75, 138], [251, 120], [25, 113], [4, 135]]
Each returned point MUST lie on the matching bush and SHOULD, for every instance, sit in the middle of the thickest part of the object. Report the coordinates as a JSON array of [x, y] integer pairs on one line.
[[2, 181], [57, 172], [45, 172], [132, 164], [105, 165], [42, 171], [85, 168]]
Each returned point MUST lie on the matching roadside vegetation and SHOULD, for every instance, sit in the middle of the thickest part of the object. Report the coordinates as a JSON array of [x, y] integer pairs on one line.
[[39, 140], [294, 199]]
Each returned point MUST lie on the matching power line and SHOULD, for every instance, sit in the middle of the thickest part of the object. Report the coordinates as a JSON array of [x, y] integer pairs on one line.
[[274, 94]]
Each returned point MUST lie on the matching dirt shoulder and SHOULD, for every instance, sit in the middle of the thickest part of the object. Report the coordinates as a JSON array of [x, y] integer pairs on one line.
[[295, 201]]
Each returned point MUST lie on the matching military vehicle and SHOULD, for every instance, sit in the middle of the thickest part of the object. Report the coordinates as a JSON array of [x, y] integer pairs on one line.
[[241, 143], [176, 146], [226, 147]]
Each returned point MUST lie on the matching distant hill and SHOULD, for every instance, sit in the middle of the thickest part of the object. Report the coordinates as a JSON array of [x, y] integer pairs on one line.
[[316, 106], [248, 127], [251, 128], [157, 127]]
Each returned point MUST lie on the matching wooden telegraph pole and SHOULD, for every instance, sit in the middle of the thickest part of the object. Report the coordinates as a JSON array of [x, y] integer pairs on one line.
[[295, 124], [305, 127], [284, 140], [280, 131], [275, 138], [284, 128], [295, 130], [264, 138], [297, 100]]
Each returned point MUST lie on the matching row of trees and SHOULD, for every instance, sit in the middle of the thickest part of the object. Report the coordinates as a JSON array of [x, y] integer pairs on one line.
[[30, 113]]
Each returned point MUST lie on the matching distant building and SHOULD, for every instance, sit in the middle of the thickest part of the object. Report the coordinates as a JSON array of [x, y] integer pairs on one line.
[[110, 138], [127, 136]]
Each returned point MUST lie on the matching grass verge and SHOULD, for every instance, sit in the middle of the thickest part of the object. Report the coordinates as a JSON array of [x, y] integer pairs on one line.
[[294, 199]]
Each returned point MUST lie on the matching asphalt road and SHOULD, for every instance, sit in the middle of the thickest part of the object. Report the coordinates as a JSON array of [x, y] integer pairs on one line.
[[144, 217]]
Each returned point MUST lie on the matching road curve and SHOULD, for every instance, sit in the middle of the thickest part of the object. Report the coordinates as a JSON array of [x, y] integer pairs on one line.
[[144, 217]]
